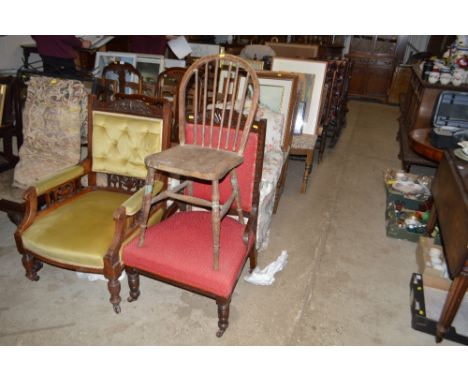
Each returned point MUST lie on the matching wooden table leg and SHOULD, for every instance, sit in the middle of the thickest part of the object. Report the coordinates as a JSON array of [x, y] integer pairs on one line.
[[432, 220], [452, 303]]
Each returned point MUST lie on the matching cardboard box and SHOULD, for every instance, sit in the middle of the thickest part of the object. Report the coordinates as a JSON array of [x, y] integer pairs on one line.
[[432, 278], [418, 202]]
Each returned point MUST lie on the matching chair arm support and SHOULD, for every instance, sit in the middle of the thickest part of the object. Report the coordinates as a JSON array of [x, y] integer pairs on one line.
[[133, 204], [250, 227], [45, 184]]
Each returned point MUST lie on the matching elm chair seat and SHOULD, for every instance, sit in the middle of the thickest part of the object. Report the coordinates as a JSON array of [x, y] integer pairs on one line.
[[199, 162], [188, 257]]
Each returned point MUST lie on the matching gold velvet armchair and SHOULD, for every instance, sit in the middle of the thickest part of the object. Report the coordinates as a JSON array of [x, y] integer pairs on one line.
[[91, 209]]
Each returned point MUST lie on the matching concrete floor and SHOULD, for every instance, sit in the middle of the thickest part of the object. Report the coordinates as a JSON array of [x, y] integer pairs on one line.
[[345, 283]]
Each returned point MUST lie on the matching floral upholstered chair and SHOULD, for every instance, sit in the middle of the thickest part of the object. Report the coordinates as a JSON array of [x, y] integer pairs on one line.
[[54, 115]]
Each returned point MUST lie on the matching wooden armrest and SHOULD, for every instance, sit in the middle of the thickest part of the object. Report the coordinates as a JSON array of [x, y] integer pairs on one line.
[[134, 203], [47, 183], [251, 226]]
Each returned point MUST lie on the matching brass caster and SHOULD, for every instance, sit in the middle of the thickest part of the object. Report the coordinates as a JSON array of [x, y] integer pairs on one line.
[[131, 298], [116, 308], [220, 333]]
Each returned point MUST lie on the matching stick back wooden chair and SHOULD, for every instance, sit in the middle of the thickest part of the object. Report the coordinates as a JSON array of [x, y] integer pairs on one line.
[[82, 227], [212, 140]]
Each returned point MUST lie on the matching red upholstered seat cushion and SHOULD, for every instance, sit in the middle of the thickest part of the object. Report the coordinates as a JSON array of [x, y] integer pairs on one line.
[[181, 249]]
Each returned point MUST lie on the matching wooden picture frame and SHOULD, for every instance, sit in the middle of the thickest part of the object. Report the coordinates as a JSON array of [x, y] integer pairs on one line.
[[279, 91], [301, 51], [314, 73]]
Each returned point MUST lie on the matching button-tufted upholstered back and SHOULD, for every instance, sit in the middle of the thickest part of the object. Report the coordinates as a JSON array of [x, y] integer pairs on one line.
[[122, 141]]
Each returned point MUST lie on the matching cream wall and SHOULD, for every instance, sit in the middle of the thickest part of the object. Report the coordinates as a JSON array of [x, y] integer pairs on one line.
[[11, 53]]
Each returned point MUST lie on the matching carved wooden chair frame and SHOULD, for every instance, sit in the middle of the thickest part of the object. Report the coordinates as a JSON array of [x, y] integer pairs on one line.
[[69, 187]]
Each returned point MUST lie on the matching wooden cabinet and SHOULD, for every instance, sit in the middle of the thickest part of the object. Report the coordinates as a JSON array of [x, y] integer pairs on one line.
[[374, 59], [400, 84], [417, 113], [421, 100]]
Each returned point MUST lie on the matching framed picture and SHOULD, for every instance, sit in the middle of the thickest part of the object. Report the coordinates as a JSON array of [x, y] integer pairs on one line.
[[150, 65], [314, 79], [202, 50], [286, 50], [173, 63], [105, 58], [279, 92], [3, 89], [256, 64]]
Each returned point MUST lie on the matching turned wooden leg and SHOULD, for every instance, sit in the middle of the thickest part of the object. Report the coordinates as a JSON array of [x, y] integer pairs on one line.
[[452, 303], [215, 223], [235, 189], [252, 259], [32, 266], [133, 284], [432, 220], [114, 290], [223, 317], [323, 143], [148, 195], [307, 169]]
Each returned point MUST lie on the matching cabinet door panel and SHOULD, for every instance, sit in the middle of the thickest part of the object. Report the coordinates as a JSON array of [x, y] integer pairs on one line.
[[357, 84], [378, 80]]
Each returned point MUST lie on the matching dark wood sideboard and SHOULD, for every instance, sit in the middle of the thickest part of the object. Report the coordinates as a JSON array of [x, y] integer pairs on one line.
[[417, 112], [450, 209]]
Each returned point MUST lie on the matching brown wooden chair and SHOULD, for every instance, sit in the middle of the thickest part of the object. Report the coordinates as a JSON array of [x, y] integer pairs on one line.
[[166, 88], [212, 140], [121, 73], [330, 105], [10, 120], [82, 227], [179, 250]]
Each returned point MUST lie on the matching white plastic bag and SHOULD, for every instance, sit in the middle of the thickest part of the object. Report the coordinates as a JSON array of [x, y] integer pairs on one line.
[[266, 276]]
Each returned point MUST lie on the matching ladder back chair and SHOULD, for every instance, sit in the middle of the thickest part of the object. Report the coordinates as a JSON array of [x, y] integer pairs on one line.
[[123, 71], [222, 91]]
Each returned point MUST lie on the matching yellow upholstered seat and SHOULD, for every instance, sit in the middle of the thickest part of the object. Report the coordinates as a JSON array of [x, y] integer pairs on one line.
[[78, 233]]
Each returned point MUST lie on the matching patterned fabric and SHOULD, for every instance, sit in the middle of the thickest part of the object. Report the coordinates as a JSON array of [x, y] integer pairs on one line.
[[272, 164], [275, 127], [53, 118], [304, 141]]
